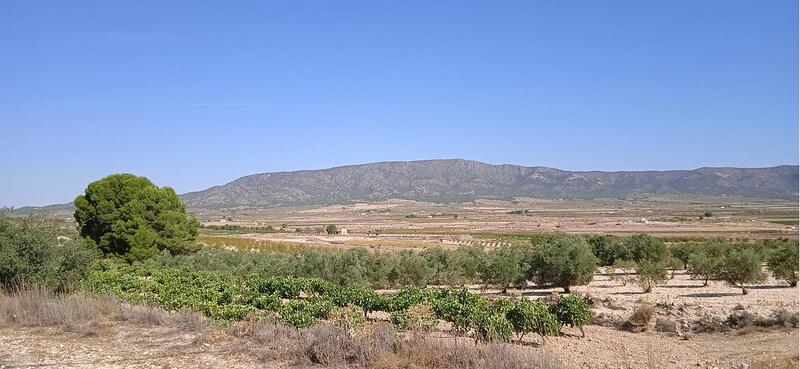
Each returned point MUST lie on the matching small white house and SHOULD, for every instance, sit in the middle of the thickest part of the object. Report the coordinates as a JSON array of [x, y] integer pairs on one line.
[[641, 221], [342, 231]]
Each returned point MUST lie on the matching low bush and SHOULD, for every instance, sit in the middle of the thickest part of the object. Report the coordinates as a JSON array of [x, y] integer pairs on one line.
[[641, 317], [491, 327], [349, 317], [572, 310], [417, 318], [528, 316]]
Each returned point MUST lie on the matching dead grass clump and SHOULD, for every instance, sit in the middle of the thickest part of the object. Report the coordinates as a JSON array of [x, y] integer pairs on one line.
[[327, 345], [37, 307], [640, 320], [746, 322], [667, 326], [265, 338], [188, 320], [141, 314], [426, 352], [709, 324]]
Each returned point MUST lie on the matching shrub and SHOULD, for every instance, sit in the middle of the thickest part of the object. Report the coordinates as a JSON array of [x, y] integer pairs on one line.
[[30, 254], [650, 273], [418, 318], [491, 327], [297, 313], [572, 310], [563, 260], [783, 262], [460, 308], [740, 265], [528, 316], [349, 317], [128, 216], [641, 317]]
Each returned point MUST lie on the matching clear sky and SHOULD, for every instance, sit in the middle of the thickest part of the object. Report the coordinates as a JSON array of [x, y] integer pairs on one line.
[[197, 93]]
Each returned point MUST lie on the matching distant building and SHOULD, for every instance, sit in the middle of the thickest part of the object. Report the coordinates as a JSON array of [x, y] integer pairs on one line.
[[342, 231], [641, 221]]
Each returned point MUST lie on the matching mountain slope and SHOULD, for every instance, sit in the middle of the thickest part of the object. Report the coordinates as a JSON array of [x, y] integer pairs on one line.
[[462, 180]]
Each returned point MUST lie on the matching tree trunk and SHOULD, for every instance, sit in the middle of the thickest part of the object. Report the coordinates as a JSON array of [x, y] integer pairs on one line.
[[583, 334], [566, 289], [705, 282], [744, 291]]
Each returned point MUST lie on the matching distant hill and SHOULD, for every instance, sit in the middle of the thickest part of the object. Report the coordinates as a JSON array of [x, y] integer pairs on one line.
[[464, 180], [55, 210]]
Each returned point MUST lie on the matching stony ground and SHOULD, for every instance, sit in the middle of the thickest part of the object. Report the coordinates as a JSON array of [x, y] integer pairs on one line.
[[126, 345]]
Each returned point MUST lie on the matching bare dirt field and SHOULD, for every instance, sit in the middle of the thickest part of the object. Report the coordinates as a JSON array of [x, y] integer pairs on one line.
[[128, 345], [731, 217]]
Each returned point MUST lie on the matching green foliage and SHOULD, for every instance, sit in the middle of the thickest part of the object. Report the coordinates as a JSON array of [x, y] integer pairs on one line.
[[650, 273], [459, 307], [348, 317], [783, 262], [411, 269], [418, 318], [491, 327], [283, 287], [572, 310], [528, 316], [645, 247], [129, 217], [30, 254], [609, 250], [705, 263], [563, 260], [683, 251], [331, 229], [740, 265], [506, 266]]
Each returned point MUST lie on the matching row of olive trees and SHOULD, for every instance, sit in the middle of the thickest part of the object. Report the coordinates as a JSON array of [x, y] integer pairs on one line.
[[736, 263], [560, 260], [741, 263]]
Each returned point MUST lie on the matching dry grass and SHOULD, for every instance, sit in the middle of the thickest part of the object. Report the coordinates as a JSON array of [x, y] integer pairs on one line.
[[640, 320], [377, 346], [37, 307]]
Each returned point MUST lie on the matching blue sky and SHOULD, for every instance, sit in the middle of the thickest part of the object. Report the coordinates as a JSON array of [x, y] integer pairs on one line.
[[194, 94]]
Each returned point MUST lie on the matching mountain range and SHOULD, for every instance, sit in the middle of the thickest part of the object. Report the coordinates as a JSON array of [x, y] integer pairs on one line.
[[464, 180], [451, 180]]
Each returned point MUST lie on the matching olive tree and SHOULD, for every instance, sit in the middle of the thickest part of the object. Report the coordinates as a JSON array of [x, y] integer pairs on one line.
[[782, 262], [650, 273], [505, 266], [130, 217], [741, 265], [563, 260]]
